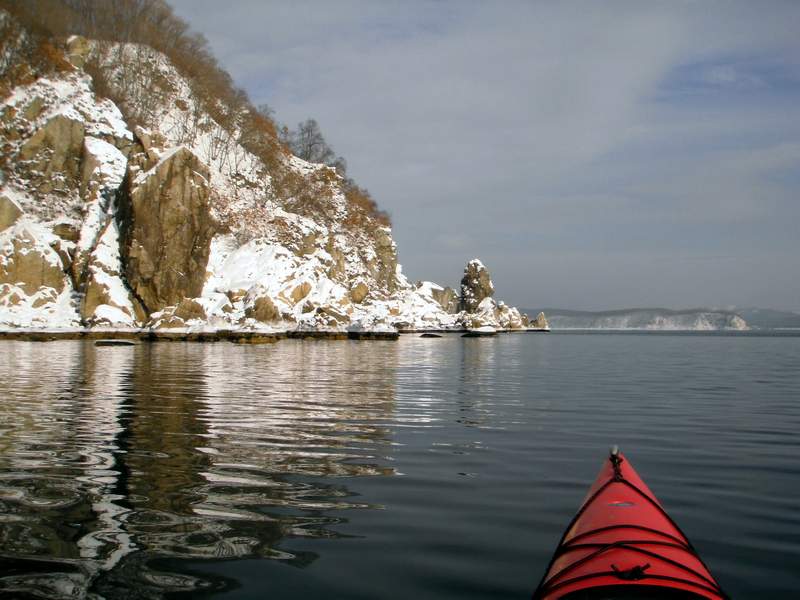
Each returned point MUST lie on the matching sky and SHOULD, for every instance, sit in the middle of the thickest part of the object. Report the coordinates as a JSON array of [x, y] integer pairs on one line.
[[594, 155]]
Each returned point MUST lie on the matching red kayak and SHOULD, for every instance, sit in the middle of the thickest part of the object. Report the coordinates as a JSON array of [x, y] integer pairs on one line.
[[622, 544]]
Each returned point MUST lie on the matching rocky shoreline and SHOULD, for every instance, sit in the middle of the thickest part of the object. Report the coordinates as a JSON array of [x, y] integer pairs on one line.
[[239, 337], [179, 224]]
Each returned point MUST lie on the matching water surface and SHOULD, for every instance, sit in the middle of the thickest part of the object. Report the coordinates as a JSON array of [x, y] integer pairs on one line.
[[422, 468]]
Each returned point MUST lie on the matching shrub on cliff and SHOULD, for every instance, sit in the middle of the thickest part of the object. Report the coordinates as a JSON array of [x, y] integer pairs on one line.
[[153, 24]]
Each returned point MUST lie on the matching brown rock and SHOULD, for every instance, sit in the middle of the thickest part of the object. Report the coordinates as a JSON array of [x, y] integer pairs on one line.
[[150, 140], [447, 299], [45, 297], [474, 322], [236, 295], [384, 269], [508, 317], [67, 231], [338, 268], [40, 302], [65, 251], [307, 245], [263, 309], [189, 309], [300, 291], [89, 180], [167, 231], [359, 292], [10, 212], [96, 290], [55, 147], [475, 285], [33, 109], [168, 321], [96, 294], [31, 265], [9, 296], [330, 316], [78, 49]]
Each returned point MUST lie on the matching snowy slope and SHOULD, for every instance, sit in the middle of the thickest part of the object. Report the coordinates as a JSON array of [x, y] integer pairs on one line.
[[86, 194]]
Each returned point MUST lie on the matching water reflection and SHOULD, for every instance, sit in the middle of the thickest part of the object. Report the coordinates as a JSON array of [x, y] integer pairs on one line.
[[116, 461], [477, 383], [63, 515]]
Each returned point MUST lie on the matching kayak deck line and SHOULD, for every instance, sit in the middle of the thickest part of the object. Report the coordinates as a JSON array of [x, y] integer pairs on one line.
[[657, 557]]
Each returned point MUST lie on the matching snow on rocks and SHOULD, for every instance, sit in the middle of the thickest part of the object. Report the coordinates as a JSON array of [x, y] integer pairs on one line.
[[103, 172], [34, 290], [476, 285], [107, 301], [260, 269], [209, 242], [103, 165], [72, 97]]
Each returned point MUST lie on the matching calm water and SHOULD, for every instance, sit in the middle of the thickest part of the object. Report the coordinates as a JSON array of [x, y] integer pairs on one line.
[[423, 468]]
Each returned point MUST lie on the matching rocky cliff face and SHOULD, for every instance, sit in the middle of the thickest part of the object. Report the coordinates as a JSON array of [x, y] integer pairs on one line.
[[173, 223], [167, 230]]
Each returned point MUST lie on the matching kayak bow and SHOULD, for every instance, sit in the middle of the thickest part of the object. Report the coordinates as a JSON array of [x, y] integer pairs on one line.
[[622, 544]]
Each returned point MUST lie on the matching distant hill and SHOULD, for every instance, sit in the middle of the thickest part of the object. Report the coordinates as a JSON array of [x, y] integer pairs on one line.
[[651, 319], [766, 318]]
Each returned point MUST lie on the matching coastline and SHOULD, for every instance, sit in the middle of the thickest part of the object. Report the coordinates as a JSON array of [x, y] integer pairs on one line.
[[220, 335]]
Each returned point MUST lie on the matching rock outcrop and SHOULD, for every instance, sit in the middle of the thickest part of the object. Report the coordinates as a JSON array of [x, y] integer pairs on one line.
[[177, 221], [53, 152], [447, 299], [106, 300], [78, 50], [9, 212], [28, 262], [540, 322], [259, 306], [188, 309], [167, 230], [476, 285], [359, 291]]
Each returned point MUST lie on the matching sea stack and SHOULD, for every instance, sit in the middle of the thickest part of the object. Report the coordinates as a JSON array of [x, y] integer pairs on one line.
[[475, 285]]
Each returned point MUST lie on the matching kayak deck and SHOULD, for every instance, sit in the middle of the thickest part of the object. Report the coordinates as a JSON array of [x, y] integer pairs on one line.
[[622, 544]]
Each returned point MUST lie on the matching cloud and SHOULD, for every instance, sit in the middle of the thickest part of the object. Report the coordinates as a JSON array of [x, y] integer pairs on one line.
[[728, 75], [518, 130]]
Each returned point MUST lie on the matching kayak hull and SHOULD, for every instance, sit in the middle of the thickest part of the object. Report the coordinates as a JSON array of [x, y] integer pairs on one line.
[[623, 544]]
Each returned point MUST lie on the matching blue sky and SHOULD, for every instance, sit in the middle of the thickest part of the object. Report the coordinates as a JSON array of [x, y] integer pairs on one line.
[[594, 155]]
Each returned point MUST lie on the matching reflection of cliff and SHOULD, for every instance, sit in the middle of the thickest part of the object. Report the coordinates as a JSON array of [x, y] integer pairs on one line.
[[163, 428], [117, 468], [58, 462], [476, 382], [161, 469], [315, 411]]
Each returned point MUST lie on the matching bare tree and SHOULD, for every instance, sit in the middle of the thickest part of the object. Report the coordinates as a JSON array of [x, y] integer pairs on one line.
[[308, 143]]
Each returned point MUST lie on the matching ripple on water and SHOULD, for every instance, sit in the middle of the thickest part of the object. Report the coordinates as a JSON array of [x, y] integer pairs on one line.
[[181, 467]]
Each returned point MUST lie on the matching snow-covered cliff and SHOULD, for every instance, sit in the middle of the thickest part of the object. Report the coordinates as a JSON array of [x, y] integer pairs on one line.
[[150, 211], [652, 319]]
